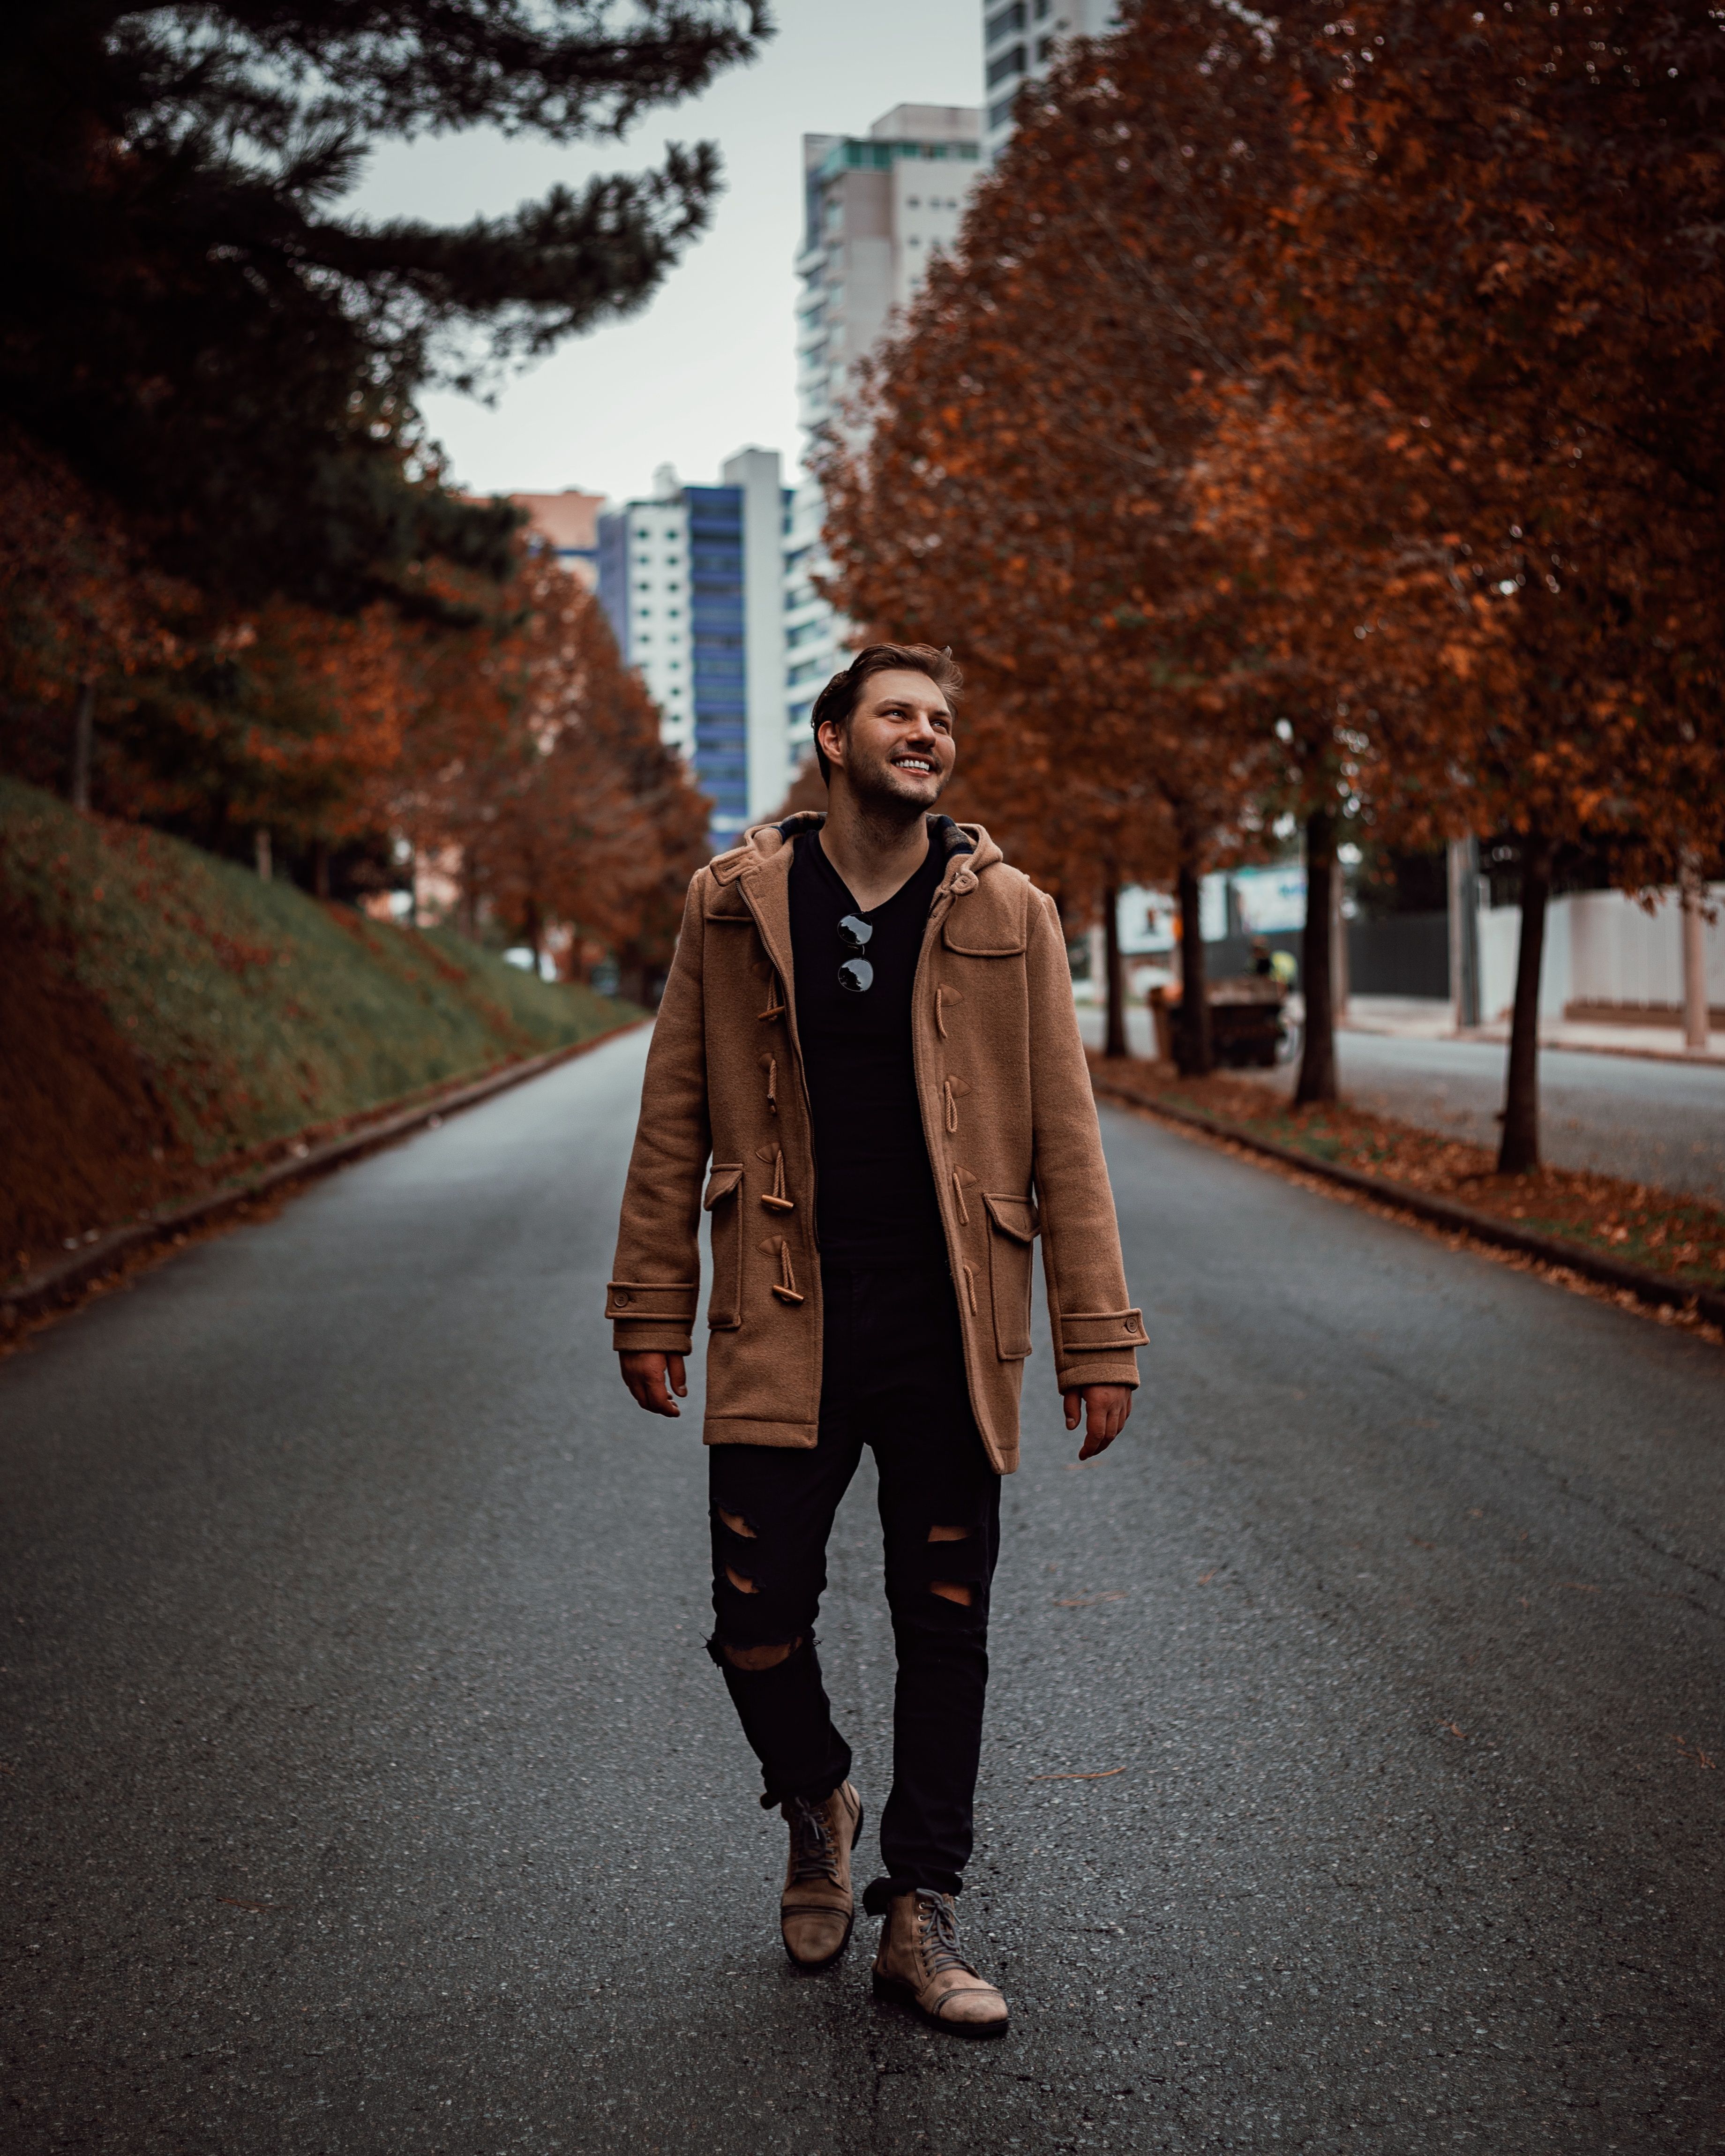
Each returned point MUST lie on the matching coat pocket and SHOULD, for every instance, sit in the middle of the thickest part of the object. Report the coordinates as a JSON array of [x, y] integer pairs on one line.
[[1013, 1222], [724, 1306]]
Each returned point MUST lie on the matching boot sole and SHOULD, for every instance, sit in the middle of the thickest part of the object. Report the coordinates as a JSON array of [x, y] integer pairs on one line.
[[814, 1968], [900, 1993]]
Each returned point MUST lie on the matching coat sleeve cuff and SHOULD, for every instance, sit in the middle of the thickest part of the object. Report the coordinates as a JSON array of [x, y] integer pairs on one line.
[[1098, 1370], [651, 1339], [1102, 1332], [652, 1302], [654, 1316]]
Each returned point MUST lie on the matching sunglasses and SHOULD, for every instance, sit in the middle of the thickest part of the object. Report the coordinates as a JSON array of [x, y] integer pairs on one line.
[[855, 971]]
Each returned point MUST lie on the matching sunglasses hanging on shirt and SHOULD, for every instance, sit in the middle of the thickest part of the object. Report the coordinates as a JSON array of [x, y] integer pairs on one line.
[[855, 971]]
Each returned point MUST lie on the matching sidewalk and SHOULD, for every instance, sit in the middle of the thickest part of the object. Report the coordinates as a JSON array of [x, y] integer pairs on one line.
[[1416, 1018], [1419, 1018]]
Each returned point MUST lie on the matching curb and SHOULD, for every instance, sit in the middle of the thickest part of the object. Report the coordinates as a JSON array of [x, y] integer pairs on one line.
[[58, 1285], [1645, 1285], [1682, 1059]]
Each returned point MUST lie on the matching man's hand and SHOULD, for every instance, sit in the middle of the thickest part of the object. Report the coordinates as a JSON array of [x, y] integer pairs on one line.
[[648, 1373], [1104, 1409]]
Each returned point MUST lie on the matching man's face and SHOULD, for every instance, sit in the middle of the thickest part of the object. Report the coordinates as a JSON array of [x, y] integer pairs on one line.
[[897, 748]]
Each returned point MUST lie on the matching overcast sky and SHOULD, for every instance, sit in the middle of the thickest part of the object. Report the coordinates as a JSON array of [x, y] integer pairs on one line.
[[709, 367]]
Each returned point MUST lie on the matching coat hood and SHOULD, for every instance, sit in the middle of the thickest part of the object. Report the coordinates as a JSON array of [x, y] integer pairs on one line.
[[968, 849]]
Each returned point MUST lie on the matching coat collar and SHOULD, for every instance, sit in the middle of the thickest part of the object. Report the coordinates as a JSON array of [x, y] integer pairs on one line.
[[763, 864], [763, 854]]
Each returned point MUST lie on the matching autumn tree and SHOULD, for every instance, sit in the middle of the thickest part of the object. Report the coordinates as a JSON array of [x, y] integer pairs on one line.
[[535, 759], [1494, 340], [1022, 488], [219, 360]]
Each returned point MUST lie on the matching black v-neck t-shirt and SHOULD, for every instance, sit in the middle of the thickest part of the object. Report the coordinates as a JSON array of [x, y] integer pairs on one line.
[[875, 1195]]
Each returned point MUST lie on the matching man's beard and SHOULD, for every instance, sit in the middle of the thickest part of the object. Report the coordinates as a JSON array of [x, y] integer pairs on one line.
[[881, 803]]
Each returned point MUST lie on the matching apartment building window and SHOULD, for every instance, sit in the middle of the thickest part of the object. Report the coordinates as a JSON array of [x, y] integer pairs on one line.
[[1008, 63], [1005, 20]]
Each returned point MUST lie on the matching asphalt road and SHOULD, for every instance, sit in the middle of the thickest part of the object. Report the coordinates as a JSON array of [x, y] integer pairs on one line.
[[1657, 1120], [368, 1789]]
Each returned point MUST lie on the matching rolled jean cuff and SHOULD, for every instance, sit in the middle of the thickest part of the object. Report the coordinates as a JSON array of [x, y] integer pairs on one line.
[[879, 1892], [816, 1793]]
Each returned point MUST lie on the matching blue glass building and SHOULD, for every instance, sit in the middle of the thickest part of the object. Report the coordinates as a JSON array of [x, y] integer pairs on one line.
[[691, 580]]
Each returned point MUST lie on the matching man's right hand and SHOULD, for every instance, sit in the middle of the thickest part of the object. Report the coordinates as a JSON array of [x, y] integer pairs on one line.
[[652, 1377]]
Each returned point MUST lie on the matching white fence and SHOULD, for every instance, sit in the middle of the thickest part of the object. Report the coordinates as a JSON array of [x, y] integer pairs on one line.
[[1600, 947]]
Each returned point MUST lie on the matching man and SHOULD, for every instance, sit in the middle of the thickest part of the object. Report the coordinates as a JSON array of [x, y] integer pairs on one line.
[[869, 1030]]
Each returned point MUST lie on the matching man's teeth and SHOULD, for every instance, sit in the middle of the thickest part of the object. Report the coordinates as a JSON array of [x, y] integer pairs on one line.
[[912, 763]]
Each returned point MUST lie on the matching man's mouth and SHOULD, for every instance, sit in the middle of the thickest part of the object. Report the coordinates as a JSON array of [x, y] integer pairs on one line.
[[913, 764]]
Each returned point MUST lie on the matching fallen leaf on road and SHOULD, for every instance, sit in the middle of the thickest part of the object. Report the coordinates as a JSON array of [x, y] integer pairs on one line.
[[1418, 1544], [234, 1902], [1694, 1752], [1084, 1601], [1107, 1773], [1205, 1577], [1581, 1587], [1455, 1731]]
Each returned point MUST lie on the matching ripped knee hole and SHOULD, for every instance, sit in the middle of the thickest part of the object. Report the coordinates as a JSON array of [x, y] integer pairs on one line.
[[759, 1658], [951, 1590], [742, 1586], [738, 1525]]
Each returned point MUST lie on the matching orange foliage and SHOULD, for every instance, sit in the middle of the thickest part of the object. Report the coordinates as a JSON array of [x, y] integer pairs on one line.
[[1023, 491], [498, 726], [1478, 472], [79, 605], [538, 757]]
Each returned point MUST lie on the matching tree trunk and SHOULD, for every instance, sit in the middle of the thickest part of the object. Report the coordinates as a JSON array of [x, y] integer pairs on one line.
[[321, 871], [261, 853], [535, 926], [82, 746], [1519, 1151], [1192, 1035], [1317, 1060], [1115, 1042], [1695, 1014]]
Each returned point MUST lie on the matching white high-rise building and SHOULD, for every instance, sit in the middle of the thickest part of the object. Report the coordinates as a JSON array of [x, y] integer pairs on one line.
[[1020, 39], [875, 209], [692, 579]]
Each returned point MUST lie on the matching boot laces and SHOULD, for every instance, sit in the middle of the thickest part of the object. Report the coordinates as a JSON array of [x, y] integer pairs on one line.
[[813, 1855], [938, 1935]]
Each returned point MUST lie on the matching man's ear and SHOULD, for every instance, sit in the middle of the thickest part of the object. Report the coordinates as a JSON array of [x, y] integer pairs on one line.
[[829, 732]]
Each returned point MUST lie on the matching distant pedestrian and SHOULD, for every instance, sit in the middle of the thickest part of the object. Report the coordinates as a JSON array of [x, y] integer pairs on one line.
[[869, 1031]]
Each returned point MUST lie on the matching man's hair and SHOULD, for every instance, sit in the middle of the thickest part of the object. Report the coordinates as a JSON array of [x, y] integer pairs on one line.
[[838, 700]]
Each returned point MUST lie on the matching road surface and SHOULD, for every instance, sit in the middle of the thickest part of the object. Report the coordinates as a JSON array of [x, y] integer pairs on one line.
[[369, 1790], [1661, 1122]]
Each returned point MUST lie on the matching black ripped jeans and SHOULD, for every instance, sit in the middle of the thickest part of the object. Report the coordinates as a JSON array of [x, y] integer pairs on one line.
[[894, 1378]]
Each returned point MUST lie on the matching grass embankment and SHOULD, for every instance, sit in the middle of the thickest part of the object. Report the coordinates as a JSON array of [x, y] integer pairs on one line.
[[1683, 1238], [167, 1021]]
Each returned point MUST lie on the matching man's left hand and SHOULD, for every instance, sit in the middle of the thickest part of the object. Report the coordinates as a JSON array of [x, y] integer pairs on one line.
[[1104, 1409]]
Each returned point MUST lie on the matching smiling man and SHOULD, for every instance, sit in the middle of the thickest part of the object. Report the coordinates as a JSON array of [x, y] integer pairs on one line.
[[869, 1032]]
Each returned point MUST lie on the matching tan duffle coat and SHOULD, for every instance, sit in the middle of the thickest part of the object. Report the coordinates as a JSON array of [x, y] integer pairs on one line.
[[1007, 1113]]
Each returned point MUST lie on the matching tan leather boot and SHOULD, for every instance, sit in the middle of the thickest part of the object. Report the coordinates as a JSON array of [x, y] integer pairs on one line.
[[921, 1962], [816, 1911]]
